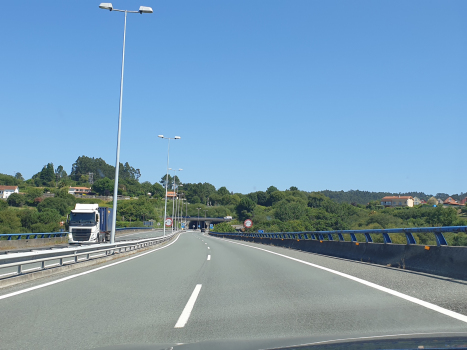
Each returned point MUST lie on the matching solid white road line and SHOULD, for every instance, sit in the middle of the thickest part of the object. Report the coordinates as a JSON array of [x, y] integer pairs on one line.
[[82, 273], [420, 302], [183, 319], [209, 257]]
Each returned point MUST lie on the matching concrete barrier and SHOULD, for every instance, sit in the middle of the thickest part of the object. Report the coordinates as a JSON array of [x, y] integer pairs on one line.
[[15, 244], [444, 261], [32, 243]]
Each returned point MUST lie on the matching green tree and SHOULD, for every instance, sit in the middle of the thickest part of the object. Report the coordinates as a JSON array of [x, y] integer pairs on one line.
[[60, 205], [60, 173], [275, 197], [223, 191], [3, 205], [223, 227], [290, 211], [18, 176], [9, 221], [8, 180], [245, 208], [195, 200], [104, 186], [271, 189], [16, 200], [33, 195], [157, 190]]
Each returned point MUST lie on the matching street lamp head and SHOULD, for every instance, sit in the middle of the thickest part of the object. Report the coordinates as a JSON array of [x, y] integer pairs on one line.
[[180, 169], [145, 9], [161, 136], [170, 169], [106, 6], [177, 137]]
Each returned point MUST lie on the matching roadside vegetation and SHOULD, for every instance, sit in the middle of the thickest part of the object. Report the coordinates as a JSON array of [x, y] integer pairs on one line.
[[35, 210]]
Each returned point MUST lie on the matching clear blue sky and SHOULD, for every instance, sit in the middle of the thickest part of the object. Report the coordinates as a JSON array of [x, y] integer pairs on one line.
[[367, 95]]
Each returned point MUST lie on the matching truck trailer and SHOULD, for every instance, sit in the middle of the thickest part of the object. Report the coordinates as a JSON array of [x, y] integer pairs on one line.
[[89, 223]]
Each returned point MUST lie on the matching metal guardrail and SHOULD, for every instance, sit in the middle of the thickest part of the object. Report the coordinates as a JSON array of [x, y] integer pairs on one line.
[[319, 235], [76, 256], [11, 236], [16, 236]]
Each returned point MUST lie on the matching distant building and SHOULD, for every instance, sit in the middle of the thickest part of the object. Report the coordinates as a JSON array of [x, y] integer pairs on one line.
[[422, 201], [416, 201], [6, 191], [171, 194], [463, 201], [397, 201], [450, 202], [79, 190]]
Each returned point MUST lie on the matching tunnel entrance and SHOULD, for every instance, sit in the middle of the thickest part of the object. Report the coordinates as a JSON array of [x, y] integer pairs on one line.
[[192, 225]]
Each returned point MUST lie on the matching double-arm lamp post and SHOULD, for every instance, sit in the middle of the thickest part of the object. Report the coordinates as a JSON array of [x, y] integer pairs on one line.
[[167, 176], [142, 9]]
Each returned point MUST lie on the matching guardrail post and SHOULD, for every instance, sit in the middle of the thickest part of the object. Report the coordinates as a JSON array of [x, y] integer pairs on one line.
[[313, 236], [341, 237], [330, 237], [353, 238], [20, 269], [368, 238], [410, 238], [440, 240], [386, 238], [320, 236]]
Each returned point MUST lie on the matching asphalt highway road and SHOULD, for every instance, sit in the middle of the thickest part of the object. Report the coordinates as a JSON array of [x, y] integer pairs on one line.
[[5, 272], [139, 235], [203, 288]]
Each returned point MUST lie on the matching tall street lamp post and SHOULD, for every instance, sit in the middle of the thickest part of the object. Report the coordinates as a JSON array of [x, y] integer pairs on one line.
[[174, 217], [142, 9], [167, 176]]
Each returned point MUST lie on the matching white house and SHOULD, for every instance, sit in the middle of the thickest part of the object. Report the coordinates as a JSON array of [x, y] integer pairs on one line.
[[79, 190], [6, 191], [397, 201]]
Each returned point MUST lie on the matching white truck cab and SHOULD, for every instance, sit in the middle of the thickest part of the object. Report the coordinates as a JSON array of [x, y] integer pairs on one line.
[[84, 224]]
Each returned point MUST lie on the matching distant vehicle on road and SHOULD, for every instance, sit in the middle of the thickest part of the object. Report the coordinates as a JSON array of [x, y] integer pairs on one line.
[[89, 224], [228, 218], [203, 230]]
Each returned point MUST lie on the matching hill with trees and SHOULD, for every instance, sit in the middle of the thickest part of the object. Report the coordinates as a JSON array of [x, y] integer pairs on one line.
[[271, 210]]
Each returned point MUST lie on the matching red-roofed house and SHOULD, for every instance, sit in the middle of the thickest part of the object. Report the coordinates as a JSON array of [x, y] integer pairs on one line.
[[449, 202], [397, 201], [171, 194], [6, 191], [463, 201], [79, 190]]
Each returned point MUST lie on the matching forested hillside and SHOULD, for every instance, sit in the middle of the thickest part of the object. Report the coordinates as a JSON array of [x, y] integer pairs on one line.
[[271, 210]]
